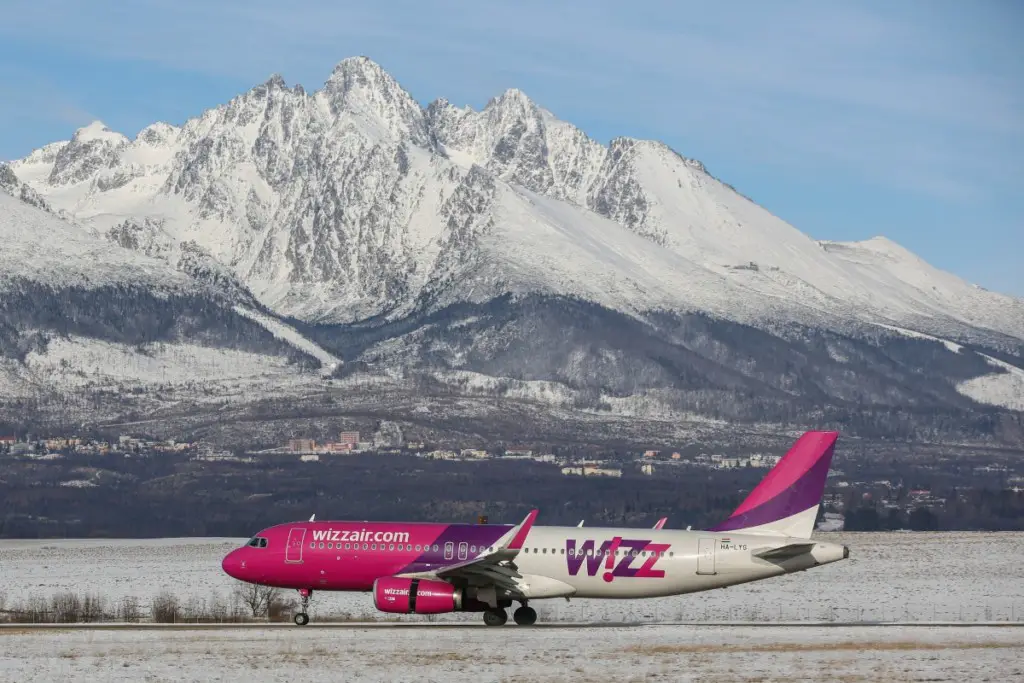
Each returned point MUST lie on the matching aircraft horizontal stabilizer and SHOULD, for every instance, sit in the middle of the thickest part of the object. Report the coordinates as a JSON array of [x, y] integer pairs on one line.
[[784, 552]]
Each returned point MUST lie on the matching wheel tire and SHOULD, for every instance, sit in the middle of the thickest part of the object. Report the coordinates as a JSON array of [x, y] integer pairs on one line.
[[495, 617], [301, 619], [525, 616]]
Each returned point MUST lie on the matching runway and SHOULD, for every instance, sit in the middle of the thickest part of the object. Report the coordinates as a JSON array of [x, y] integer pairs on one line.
[[405, 626], [543, 653]]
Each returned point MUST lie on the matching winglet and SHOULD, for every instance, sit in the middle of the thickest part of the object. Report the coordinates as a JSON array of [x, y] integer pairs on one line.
[[524, 528], [660, 523], [313, 518]]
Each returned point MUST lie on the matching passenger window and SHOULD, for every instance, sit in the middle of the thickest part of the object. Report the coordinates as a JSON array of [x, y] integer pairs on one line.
[[321, 545], [373, 547], [330, 546], [418, 549], [545, 551], [347, 546], [312, 545], [472, 548], [391, 546]]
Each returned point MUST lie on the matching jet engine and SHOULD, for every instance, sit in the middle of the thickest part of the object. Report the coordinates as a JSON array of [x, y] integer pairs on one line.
[[419, 596]]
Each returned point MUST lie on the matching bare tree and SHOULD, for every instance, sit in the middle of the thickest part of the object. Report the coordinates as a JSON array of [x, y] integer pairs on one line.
[[257, 597]]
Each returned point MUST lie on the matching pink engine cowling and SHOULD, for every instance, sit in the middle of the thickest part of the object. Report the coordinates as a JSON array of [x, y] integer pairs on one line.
[[422, 596]]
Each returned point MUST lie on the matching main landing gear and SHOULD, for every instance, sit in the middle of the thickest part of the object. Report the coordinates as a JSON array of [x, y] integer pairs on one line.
[[302, 618], [524, 616]]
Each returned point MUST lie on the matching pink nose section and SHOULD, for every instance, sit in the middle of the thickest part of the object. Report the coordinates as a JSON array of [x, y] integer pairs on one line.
[[232, 565]]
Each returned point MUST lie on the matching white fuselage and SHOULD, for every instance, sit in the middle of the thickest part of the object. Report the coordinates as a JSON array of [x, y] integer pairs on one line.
[[593, 562]]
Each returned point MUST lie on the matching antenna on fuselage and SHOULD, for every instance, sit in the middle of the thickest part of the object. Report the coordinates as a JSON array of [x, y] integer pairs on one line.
[[313, 517]]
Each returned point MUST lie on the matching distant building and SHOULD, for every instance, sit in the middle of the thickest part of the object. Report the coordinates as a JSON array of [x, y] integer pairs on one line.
[[591, 470], [310, 457], [301, 445], [349, 438], [647, 468], [651, 454]]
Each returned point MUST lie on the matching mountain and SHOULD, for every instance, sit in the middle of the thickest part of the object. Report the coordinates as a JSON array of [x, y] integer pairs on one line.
[[86, 324], [503, 252]]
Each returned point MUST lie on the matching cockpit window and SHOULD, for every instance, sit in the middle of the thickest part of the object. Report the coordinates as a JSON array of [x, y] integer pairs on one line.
[[257, 542]]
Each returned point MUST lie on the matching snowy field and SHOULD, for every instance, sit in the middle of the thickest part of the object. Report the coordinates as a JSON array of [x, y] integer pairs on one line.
[[920, 577], [538, 655]]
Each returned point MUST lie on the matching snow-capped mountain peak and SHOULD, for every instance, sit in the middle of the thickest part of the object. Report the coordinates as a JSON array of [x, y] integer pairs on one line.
[[359, 87], [92, 148], [354, 201], [97, 131]]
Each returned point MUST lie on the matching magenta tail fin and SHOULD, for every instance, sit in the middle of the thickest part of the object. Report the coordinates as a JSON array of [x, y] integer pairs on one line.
[[787, 499]]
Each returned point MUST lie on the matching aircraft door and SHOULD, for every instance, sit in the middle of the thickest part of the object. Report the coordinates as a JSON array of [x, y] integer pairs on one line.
[[463, 550], [705, 556], [296, 539]]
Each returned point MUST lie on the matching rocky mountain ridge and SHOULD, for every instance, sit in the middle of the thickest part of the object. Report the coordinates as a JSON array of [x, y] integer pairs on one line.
[[503, 250]]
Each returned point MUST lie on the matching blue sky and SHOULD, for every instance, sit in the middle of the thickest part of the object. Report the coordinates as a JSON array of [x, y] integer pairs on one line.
[[848, 120]]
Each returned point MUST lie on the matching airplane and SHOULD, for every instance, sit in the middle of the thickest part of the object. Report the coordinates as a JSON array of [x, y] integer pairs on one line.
[[427, 568]]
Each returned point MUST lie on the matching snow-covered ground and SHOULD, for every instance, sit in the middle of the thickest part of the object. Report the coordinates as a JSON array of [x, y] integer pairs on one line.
[[889, 577], [644, 653]]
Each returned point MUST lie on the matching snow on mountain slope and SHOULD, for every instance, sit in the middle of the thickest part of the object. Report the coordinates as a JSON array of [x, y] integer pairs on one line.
[[56, 256], [892, 268], [353, 202], [288, 333], [674, 202], [1004, 388], [544, 245], [43, 248], [80, 362]]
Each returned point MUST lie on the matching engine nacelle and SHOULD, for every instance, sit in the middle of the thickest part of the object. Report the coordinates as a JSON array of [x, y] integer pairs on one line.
[[420, 596]]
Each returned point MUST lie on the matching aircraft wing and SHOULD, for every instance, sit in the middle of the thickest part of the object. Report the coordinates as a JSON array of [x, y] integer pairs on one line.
[[783, 552], [495, 567]]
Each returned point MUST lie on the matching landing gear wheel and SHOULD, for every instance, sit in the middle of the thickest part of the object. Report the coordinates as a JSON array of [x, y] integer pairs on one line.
[[525, 616], [302, 618], [495, 617]]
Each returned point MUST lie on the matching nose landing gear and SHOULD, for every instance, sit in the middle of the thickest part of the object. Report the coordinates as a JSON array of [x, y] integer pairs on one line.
[[302, 618]]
